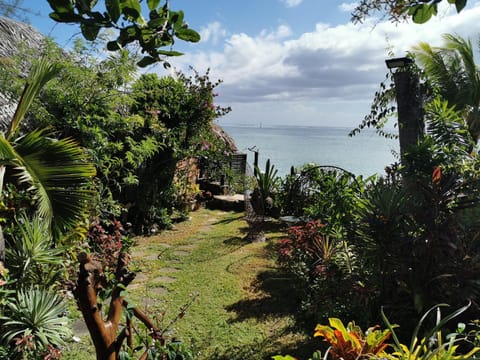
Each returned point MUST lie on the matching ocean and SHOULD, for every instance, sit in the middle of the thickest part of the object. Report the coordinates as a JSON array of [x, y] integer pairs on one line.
[[364, 154]]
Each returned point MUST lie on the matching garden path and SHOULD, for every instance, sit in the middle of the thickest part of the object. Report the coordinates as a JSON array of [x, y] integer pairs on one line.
[[240, 302]]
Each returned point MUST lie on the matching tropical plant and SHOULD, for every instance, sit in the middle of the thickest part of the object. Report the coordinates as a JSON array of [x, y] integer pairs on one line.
[[452, 72], [431, 345], [325, 193], [267, 184], [350, 342], [57, 171], [324, 267], [32, 256], [418, 242], [34, 321]]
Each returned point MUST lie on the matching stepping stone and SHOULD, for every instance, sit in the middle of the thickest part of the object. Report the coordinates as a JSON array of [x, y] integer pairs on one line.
[[164, 279], [181, 253], [140, 280], [187, 247], [151, 257], [79, 327], [152, 298], [138, 253], [174, 261]]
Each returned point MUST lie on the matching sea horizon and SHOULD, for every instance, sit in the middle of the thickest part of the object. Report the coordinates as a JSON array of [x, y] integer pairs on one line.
[[364, 154]]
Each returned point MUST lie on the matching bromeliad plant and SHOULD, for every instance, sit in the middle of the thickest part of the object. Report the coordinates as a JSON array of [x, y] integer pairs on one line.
[[351, 343], [267, 184], [432, 346], [323, 265]]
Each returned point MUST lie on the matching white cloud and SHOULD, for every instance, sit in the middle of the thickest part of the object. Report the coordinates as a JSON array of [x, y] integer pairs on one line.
[[213, 32], [291, 3], [340, 64], [348, 7]]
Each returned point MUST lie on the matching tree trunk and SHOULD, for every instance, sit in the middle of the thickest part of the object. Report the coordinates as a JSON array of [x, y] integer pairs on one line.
[[104, 332]]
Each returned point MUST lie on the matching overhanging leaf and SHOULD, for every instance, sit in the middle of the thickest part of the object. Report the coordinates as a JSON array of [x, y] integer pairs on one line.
[[187, 35], [86, 5], [61, 6], [460, 4], [152, 4], [113, 46], [169, 53], [113, 9], [89, 32], [423, 12], [147, 60], [65, 17], [131, 8]]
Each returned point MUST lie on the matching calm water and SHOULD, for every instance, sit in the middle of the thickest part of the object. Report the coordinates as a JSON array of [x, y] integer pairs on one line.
[[364, 154]]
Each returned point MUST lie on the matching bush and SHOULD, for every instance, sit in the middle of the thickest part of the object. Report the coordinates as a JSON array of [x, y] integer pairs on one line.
[[323, 265]]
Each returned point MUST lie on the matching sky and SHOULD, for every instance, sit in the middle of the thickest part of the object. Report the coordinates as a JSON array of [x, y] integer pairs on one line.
[[292, 62]]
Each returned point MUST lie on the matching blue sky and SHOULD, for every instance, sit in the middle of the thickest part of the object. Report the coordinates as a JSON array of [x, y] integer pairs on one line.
[[294, 62]]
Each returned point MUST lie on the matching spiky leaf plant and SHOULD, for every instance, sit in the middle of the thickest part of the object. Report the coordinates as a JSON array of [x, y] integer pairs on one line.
[[31, 255], [34, 320]]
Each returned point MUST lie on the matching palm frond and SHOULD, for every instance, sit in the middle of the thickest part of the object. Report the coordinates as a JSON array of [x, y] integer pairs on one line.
[[42, 72], [59, 173], [452, 70]]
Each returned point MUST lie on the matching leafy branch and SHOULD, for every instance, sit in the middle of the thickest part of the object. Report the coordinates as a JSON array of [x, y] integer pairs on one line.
[[125, 16]]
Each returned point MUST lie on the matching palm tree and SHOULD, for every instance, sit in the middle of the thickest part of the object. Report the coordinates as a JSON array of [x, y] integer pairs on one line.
[[57, 171], [452, 71]]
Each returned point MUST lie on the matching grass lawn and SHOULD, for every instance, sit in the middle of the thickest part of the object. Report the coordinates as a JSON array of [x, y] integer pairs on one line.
[[242, 303]]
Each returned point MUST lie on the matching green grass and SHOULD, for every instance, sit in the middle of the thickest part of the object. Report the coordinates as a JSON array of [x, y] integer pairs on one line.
[[245, 303]]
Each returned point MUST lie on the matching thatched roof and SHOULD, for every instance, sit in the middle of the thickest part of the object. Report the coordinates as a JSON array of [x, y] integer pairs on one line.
[[13, 35], [218, 130]]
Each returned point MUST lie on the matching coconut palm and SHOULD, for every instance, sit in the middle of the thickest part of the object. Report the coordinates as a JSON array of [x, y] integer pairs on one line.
[[57, 171], [452, 71]]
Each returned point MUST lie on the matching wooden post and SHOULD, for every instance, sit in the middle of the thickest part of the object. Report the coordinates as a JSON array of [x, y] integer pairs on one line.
[[411, 126]]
